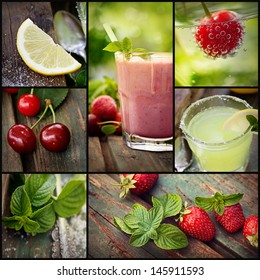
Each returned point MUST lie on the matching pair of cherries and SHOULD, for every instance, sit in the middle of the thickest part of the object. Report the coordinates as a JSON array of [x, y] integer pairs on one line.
[[54, 137]]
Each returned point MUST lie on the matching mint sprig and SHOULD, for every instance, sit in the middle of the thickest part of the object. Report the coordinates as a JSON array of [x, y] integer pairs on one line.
[[218, 202], [126, 47], [253, 122], [35, 208], [144, 225]]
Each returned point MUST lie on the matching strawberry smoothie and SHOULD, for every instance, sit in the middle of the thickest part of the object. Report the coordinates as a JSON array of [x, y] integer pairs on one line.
[[146, 94]]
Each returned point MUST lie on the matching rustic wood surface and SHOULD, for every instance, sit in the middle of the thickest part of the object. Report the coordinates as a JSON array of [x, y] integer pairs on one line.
[[14, 71], [106, 241], [110, 154], [71, 113]]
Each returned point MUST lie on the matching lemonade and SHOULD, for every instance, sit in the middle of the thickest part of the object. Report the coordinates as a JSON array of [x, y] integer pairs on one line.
[[216, 148]]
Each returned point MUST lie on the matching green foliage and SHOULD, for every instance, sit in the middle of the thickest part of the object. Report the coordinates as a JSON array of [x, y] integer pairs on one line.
[[35, 208], [144, 225]]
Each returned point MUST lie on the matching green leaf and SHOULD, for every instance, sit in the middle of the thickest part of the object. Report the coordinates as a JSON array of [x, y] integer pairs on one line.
[[20, 203], [45, 217], [108, 129], [139, 238], [137, 217], [171, 203], [206, 203], [127, 45], [29, 225], [155, 216], [253, 122], [232, 199], [120, 224], [14, 222], [56, 95], [81, 79], [140, 50], [39, 188], [71, 199], [170, 237], [115, 46]]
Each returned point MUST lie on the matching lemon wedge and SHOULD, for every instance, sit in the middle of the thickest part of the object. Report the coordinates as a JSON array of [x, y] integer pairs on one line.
[[41, 54], [238, 121]]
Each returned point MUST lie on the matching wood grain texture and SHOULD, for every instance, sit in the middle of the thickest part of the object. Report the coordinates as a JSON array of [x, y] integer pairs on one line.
[[106, 241], [14, 71], [72, 113]]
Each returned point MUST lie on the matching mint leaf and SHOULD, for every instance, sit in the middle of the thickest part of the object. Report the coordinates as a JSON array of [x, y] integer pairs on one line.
[[20, 203], [14, 222], [45, 217], [170, 237], [137, 217], [206, 203], [171, 203], [71, 199], [140, 237], [108, 129], [253, 122], [115, 46], [232, 199], [29, 225], [39, 188], [155, 216], [127, 45], [120, 224]]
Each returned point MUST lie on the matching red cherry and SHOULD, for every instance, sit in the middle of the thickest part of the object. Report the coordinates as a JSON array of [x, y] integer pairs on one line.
[[104, 107], [55, 137], [11, 90], [93, 127], [220, 34], [21, 138], [29, 105]]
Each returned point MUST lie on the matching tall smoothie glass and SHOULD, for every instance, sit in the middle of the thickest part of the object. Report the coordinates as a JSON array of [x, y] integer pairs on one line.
[[216, 148], [145, 86]]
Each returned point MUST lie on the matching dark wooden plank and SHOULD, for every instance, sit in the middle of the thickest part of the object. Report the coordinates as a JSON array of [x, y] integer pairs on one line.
[[9, 158], [14, 71], [72, 113], [96, 161], [105, 241], [129, 160]]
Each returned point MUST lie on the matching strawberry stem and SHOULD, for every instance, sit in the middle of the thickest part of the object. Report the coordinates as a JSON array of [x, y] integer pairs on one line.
[[206, 10]]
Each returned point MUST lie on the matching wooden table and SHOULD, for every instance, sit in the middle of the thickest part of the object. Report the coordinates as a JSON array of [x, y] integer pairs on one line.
[[106, 241], [14, 71], [72, 113], [110, 154]]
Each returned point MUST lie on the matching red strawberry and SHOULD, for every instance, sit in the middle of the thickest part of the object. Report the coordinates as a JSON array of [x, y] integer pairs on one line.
[[196, 222], [104, 107], [232, 219], [250, 230], [137, 183], [220, 34]]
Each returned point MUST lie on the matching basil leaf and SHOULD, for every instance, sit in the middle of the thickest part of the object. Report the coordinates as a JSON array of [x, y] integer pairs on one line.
[[120, 224], [171, 203], [29, 225], [40, 188], [71, 199], [139, 238], [14, 222], [170, 237], [45, 217], [20, 202]]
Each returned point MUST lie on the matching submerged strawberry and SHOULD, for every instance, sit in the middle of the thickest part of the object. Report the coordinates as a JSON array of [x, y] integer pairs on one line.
[[219, 34], [250, 230], [196, 222], [232, 219], [137, 183]]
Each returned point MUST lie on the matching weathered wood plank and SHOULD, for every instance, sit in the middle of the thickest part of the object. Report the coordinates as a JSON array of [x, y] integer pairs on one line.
[[96, 161], [14, 71], [104, 204]]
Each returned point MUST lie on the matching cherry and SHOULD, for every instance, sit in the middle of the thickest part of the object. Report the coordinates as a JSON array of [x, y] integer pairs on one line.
[[55, 137], [29, 105], [21, 138], [93, 127], [11, 90]]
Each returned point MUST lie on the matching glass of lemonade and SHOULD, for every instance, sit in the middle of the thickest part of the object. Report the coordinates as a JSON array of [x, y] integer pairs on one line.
[[145, 86], [215, 148]]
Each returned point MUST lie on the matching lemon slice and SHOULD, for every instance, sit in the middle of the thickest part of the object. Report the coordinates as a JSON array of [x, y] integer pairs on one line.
[[238, 121], [41, 54]]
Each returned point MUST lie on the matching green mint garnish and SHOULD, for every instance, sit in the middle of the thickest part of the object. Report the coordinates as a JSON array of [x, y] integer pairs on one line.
[[126, 47], [253, 122], [144, 225]]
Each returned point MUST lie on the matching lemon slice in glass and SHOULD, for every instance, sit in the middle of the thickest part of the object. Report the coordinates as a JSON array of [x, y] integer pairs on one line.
[[238, 121], [41, 54]]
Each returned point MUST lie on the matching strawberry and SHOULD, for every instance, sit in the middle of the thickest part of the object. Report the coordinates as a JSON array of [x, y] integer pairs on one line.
[[136, 183], [219, 34], [232, 219], [250, 230], [104, 107], [196, 222]]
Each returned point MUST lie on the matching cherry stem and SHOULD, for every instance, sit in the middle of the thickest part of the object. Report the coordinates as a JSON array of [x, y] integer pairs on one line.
[[32, 91], [53, 113], [206, 10], [45, 110]]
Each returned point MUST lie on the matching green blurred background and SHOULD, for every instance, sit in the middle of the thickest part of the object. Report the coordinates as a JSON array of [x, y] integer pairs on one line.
[[148, 24], [192, 68]]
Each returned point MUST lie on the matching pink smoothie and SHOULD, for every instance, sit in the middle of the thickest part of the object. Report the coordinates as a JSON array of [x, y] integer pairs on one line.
[[146, 94]]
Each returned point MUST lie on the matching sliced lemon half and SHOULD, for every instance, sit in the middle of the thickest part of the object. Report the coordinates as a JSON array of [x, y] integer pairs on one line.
[[41, 54], [238, 121]]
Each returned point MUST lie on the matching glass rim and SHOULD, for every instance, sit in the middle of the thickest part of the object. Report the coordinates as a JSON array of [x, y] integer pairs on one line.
[[213, 144], [151, 53]]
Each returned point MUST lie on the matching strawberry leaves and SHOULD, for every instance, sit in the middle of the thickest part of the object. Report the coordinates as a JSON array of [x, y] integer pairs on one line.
[[144, 225]]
